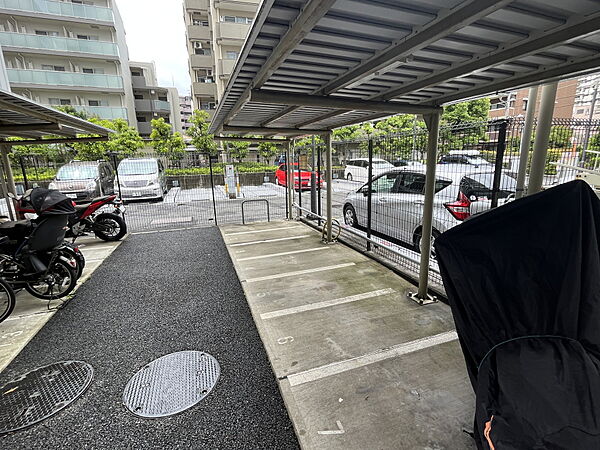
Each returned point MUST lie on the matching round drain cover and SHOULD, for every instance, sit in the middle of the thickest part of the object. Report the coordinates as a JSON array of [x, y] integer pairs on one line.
[[171, 384], [42, 393]]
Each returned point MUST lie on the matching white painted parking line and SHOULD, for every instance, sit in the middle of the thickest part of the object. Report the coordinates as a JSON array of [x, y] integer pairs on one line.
[[298, 272], [325, 304], [360, 361], [272, 240], [237, 233], [273, 255]]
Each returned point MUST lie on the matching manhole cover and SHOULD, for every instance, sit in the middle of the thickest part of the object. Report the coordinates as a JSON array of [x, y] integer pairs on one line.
[[42, 393], [171, 384]]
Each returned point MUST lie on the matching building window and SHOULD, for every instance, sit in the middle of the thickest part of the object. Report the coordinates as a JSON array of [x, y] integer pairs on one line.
[[236, 19], [525, 103], [59, 101], [46, 33], [141, 119], [95, 103], [51, 67], [580, 111], [138, 96], [202, 51], [207, 105], [90, 70], [231, 55], [200, 22], [136, 73], [87, 37], [164, 99]]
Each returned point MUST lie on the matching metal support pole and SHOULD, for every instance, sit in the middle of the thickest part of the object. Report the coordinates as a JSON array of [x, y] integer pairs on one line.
[[116, 165], [4, 189], [313, 180], [289, 181], [212, 188], [433, 124], [369, 193], [329, 180], [319, 183], [526, 141], [542, 138], [500, 149], [24, 171], [299, 183], [10, 179]]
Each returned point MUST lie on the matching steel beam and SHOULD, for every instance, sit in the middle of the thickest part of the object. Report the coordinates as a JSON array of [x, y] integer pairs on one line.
[[526, 141], [329, 115], [279, 115], [20, 128], [275, 98], [265, 130], [310, 15], [542, 138], [433, 124], [329, 180], [536, 43], [446, 23], [56, 141], [249, 139], [289, 181]]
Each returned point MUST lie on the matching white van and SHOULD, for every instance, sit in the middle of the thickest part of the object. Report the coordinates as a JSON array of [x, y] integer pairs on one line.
[[358, 169]]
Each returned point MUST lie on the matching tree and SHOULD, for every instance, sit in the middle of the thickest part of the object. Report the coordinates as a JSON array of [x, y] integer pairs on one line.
[[237, 150], [465, 112], [198, 132], [267, 150], [560, 136], [164, 141], [73, 112], [125, 140]]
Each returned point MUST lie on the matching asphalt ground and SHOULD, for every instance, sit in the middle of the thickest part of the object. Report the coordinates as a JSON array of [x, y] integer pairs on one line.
[[156, 294]]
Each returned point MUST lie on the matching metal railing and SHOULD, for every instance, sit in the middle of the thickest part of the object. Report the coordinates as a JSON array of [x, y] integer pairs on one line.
[[56, 43], [66, 9], [73, 79]]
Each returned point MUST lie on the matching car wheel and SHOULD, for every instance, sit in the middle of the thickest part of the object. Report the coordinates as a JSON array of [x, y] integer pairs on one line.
[[417, 241], [350, 216], [349, 177]]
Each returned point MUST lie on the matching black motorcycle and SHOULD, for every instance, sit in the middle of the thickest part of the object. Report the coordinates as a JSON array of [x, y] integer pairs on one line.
[[32, 253]]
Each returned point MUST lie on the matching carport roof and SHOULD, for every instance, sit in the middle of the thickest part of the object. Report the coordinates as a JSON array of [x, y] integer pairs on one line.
[[313, 65], [21, 117]]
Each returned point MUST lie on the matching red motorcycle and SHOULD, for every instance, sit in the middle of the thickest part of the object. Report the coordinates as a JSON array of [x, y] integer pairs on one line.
[[106, 225]]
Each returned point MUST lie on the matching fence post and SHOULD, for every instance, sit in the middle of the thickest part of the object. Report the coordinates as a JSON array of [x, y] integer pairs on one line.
[[313, 180], [329, 180], [299, 183], [289, 175], [369, 193], [114, 160], [25, 182], [526, 141], [433, 124], [319, 183], [500, 149], [212, 188]]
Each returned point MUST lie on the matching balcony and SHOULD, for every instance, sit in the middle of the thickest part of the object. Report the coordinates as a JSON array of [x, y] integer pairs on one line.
[[20, 41], [152, 106], [226, 66], [51, 79], [62, 9], [238, 5], [138, 81], [161, 106], [198, 32], [205, 89], [201, 5], [103, 112], [144, 128], [233, 31], [201, 61]]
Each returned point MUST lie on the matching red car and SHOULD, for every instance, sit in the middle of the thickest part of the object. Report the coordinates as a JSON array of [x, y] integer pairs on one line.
[[281, 180]]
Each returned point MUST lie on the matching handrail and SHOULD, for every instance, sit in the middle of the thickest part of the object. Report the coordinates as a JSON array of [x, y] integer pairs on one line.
[[256, 200]]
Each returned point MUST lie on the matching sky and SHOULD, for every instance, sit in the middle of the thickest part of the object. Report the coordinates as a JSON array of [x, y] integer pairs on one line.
[[156, 32]]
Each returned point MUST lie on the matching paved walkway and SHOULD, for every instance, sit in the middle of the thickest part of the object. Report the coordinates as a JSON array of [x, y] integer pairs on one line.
[[359, 365], [157, 294]]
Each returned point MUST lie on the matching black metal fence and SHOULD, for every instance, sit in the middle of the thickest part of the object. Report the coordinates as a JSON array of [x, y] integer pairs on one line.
[[161, 191], [477, 169]]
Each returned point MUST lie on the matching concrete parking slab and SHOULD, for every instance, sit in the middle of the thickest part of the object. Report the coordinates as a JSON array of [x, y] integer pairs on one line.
[[359, 365], [31, 313]]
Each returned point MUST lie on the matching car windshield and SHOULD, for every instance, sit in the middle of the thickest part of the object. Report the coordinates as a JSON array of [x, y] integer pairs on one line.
[[77, 173], [138, 168]]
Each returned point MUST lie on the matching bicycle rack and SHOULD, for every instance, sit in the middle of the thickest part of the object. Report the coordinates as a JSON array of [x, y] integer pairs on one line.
[[254, 201]]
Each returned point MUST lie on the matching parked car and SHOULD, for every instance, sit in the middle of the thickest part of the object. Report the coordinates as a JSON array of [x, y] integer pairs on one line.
[[398, 198], [406, 162], [83, 181], [281, 176], [358, 169], [141, 178], [464, 157]]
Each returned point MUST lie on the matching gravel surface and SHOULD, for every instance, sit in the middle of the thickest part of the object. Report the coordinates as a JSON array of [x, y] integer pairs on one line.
[[159, 293]]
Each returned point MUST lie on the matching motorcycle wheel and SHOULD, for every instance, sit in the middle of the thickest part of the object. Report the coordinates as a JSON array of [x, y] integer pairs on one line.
[[110, 227], [7, 300], [59, 281], [78, 258]]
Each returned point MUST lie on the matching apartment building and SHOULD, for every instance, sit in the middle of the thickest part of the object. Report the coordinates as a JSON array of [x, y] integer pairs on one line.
[[70, 52], [515, 103], [151, 100], [186, 108], [586, 97], [215, 31]]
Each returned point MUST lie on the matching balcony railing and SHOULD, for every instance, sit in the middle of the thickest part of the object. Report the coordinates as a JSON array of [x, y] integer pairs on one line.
[[198, 32], [205, 89], [35, 42], [103, 112], [64, 9], [73, 79], [161, 105]]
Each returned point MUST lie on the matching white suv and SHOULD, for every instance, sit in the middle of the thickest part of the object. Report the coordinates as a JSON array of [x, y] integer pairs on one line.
[[358, 169]]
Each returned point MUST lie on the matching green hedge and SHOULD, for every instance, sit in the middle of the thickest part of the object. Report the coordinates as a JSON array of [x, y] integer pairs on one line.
[[42, 174], [219, 168]]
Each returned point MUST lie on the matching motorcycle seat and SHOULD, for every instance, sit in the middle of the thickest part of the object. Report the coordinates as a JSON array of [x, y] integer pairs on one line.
[[81, 207], [15, 224], [101, 199]]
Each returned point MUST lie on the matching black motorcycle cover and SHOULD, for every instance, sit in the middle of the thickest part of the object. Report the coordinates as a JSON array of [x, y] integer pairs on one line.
[[523, 282], [48, 202]]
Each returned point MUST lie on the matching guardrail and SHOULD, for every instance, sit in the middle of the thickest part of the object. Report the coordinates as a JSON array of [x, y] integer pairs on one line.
[[255, 201]]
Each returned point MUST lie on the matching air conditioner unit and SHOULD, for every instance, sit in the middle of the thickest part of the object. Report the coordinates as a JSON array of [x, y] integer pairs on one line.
[[197, 44]]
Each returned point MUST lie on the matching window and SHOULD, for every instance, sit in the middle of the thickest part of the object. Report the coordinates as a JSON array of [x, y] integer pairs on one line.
[[525, 102], [231, 55], [384, 184], [59, 101], [203, 51], [580, 111], [138, 96], [136, 73], [410, 183], [55, 68], [230, 19], [94, 103], [87, 37], [207, 105], [200, 22], [46, 33], [164, 99], [236, 19], [141, 119], [90, 70]]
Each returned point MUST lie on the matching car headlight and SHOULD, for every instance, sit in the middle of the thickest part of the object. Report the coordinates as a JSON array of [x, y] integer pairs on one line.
[[91, 186], [152, 181], [52, 185]]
